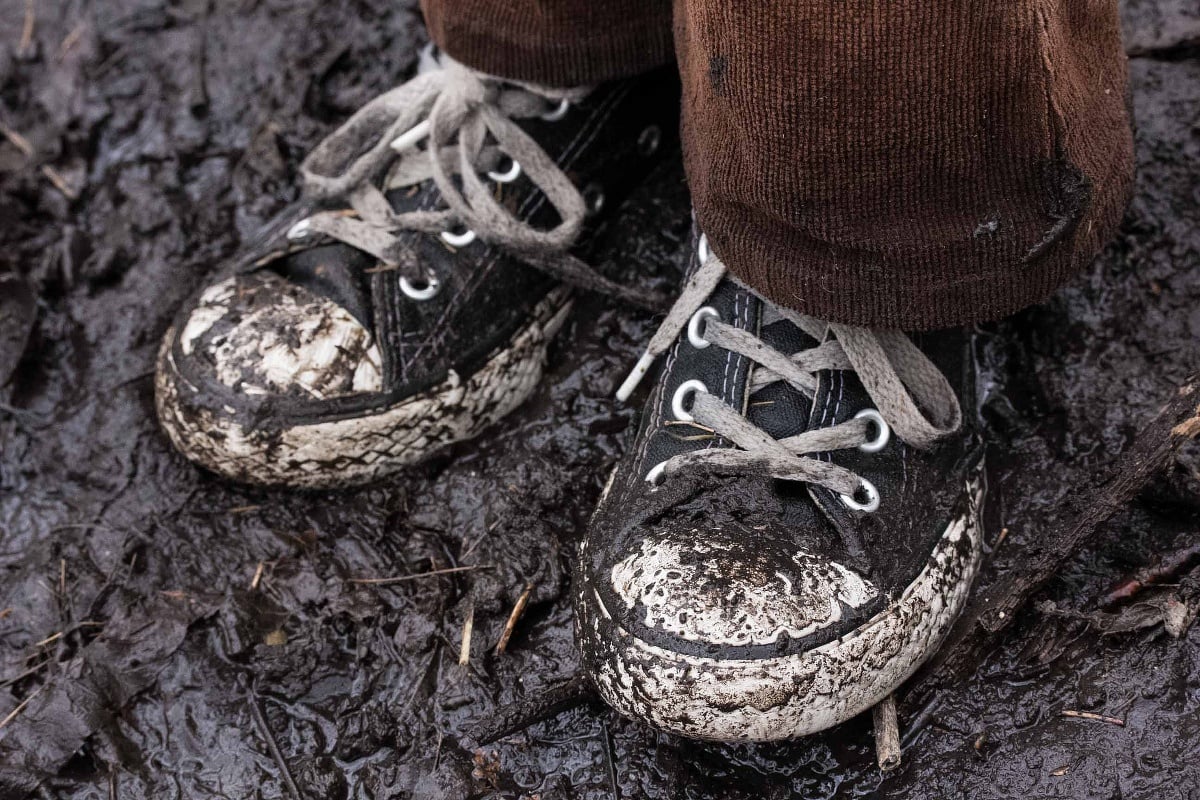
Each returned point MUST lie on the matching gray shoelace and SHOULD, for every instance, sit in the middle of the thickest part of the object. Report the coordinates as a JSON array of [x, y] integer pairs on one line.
[[912, 396], [466, 121]]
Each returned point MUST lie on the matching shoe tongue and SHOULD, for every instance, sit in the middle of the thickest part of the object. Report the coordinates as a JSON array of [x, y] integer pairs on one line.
[[780, 409], [335, 271]]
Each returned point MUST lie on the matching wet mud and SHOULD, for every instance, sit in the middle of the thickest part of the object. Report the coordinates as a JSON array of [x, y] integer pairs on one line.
[[167, 634]]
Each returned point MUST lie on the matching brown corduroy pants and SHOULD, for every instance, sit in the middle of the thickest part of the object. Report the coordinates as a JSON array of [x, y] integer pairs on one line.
[[908, 164]]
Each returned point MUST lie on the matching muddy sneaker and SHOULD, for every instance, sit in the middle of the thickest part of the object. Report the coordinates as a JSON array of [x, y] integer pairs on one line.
[[407, 303], [795, 527]]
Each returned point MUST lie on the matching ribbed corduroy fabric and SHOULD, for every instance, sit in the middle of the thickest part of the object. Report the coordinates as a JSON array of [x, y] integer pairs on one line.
[[553, 42], [908, 164]]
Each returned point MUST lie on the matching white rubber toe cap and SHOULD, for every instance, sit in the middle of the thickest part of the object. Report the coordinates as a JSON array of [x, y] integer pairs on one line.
[[270, 336], [702, 589]]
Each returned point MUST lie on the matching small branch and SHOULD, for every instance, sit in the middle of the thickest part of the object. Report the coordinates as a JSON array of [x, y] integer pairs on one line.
[[260, 721], [1091, 716], [532, 710], [26, 43], [16, 711], [403, 578], [1162, 568], [887, 734], [517, 611], [21, 143], [258, 573], [464, 650], [4, 684], [609, 761]]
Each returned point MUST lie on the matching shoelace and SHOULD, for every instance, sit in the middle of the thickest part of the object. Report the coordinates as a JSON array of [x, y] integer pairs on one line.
[[899, 378], [467, 121]]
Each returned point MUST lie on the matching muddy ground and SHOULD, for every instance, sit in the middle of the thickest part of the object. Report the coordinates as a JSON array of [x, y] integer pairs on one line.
[[140, 657]]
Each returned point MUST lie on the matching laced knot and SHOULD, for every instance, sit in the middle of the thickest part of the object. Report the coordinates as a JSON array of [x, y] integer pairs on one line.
[[456, 127], [912, 397]]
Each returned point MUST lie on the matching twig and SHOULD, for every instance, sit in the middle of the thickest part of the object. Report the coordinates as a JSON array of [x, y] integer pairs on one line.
[[608, 760], [920, 721], [87, 623], [464, 650], [1090, 715], [519, 716], [31, 671], [59, 182], [517, 611], [887, 734], [51, 174], [995, 609], [70, 41], [1162, 568], [27, 30], [258, 573], [1000, 539], [49, 639], [403, 578], [13, 714], [260, 722], [18, 141]]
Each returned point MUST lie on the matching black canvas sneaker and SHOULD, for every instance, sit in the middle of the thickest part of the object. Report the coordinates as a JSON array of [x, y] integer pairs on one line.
[[407, 302], [795, 527]]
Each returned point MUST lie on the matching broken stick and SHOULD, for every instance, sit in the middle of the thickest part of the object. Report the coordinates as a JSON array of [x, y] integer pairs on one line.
[[517, 611], [515, 717], [887, 734], [464, 650]]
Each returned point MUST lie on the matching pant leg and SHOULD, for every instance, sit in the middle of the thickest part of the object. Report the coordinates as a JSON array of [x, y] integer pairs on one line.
[[905, 163], [554, 42]]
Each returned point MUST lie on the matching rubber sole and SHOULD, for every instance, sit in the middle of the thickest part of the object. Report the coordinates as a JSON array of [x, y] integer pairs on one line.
[[788, 697], [346, 452]]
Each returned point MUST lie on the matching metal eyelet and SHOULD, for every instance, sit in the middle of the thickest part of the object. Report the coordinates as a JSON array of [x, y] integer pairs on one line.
[[655, 476], [431, 287], [558, 113], [685, 390], [509, 175], [884, 431], [702, 250], [872, 495], [697, 324], [593, 198], [458, 239], [649, 141]]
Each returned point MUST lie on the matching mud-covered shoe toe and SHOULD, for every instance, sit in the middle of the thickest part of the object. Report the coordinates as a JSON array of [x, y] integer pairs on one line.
[[714, 634], [715, 592], [718, 631], [261, 335], [247, 369]]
